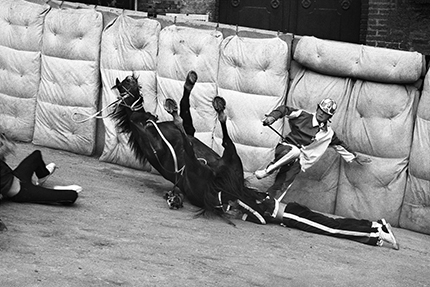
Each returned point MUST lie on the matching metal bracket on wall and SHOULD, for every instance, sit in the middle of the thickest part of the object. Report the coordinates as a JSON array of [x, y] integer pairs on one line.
[[235, 3], [275, 4], [306, 3], [345, 4]]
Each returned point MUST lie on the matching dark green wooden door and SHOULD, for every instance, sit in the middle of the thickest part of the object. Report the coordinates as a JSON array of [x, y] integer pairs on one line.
[[328, 19]]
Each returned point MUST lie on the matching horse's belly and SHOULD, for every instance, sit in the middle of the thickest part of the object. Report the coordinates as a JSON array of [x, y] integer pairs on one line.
[[203, 151]]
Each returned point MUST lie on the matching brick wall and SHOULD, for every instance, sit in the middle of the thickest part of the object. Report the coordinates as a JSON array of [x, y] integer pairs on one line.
[[399, 24], [364, 20]]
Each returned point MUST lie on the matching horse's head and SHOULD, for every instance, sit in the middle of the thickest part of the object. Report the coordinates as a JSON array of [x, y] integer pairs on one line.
[[129, 107], [129, 92]]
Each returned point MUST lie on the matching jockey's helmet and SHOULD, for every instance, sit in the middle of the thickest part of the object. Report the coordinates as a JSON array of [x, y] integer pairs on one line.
[[328, 106]]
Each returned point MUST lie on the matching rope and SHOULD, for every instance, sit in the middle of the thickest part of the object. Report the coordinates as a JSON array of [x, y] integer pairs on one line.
[[95, 115], [134, 107], [172, 150]]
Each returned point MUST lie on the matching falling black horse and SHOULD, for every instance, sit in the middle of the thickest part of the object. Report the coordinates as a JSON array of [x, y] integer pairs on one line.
[[208, 180]]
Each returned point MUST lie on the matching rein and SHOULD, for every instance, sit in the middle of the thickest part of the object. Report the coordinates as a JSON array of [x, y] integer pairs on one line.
[[120, 101], [95, 115], [172, 151]]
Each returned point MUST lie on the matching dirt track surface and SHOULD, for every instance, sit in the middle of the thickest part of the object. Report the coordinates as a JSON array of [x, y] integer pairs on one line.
[[121, 233]]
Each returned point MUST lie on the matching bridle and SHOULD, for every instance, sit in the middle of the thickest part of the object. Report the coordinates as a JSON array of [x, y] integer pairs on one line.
[[120, 101], [135, 106]]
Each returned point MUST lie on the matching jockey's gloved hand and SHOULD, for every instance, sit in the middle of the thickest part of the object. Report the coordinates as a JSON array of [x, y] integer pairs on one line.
[[269, 120]]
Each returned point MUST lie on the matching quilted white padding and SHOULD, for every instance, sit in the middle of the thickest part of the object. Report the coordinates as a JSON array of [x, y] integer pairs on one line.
[[253, 79], [182, 49], [359, 61], [374, 119], [317, 187], [415, 213], [129, 45], [377, 121], [70, 80], [21, 27]]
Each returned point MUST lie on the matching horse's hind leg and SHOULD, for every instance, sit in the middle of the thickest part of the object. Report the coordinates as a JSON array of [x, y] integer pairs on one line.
[[219, 105], [230, 153], [185, 104]]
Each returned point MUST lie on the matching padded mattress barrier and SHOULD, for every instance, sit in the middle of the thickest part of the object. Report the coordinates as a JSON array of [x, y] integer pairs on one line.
[[61, 61], [70, 81], [375, 119], [128, 44], [21, 31]]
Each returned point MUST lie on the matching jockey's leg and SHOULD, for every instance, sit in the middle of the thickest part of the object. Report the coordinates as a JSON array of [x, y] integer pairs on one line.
[[301, 217], [284, 154], [284, 178], [184, 105], [37, 194], [292, 154], [33, 164]]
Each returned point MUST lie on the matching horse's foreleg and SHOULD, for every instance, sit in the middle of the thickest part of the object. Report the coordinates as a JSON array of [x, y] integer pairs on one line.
[[185, 104], [171, 107], [174, 198]]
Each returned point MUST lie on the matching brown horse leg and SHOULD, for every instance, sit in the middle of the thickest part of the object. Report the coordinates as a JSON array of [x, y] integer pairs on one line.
[[185, 103]]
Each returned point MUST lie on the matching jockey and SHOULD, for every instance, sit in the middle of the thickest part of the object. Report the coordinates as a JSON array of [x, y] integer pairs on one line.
[[294, 215], [17, 185], [309, 138]]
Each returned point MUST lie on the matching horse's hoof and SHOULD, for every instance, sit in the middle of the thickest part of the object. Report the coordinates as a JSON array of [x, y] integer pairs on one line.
[[174, 201], [170, 106], [219, 104], [190, 80]]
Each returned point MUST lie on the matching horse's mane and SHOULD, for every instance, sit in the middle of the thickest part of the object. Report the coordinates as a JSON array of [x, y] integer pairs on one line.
[[122, 116]]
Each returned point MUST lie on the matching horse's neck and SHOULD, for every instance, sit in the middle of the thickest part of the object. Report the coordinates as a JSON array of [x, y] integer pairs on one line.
[[142, 116]]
